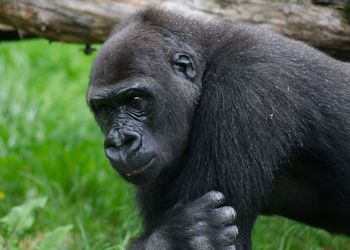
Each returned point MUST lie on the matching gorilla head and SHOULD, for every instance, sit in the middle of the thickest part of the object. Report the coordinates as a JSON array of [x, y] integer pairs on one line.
[[143, 91]]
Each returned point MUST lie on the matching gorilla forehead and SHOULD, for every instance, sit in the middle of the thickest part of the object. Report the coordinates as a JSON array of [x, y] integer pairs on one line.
[[144, 45], [136, 49]]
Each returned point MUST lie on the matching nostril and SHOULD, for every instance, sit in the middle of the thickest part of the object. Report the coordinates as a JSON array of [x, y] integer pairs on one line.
[[129, 140], [132, 140], [112, 140]]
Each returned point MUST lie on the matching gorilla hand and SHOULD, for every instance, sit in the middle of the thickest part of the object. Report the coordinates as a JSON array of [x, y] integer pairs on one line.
[[202, 224]]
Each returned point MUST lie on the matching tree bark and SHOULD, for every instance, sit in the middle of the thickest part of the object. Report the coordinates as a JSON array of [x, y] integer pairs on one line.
[[90, 21], [8, 33]]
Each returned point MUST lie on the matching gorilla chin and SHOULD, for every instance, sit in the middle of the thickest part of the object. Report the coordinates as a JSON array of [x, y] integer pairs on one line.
[[138, 173]]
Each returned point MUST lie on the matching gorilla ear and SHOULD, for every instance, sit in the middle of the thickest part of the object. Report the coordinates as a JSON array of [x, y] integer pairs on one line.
[[183, 64]]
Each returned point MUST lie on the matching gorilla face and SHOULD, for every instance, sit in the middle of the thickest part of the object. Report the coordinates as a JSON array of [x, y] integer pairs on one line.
[[142, 93]]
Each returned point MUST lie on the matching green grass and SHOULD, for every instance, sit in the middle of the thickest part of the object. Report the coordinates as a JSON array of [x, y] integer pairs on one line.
[[50, 146]]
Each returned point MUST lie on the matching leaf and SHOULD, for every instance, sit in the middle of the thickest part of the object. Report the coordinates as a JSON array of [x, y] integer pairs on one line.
[[21, 217], [56, 239]]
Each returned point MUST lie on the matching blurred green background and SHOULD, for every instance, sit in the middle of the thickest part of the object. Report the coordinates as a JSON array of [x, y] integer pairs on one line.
[[51, 147]]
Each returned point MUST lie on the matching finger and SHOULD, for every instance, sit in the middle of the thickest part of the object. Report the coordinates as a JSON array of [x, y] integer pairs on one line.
[[225, 215], [228, 235], [211, 199]]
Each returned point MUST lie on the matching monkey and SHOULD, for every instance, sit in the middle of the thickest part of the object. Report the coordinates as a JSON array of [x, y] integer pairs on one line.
[[210, 119]]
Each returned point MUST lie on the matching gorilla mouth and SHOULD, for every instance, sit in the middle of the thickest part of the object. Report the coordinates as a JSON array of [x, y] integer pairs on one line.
[[137, 171]]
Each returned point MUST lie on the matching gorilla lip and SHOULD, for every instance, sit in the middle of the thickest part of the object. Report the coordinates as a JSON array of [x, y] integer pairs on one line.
[[138, 170]]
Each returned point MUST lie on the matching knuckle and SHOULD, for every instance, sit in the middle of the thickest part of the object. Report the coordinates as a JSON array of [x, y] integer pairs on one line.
[[200, 242], [229, 234], [229, 213], [200, 226], [212, 198], [189, 212], [216, 196], [235, 230], [232, 231]]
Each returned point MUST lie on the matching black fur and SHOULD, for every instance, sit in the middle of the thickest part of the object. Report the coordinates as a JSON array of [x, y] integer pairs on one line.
[[266, 121]]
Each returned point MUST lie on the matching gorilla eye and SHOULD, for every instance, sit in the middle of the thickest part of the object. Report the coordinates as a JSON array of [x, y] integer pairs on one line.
[[137, 103], [101, 107], [183, 64]]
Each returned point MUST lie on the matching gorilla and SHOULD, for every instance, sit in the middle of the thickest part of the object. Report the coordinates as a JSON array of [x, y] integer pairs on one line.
[[204, 116]]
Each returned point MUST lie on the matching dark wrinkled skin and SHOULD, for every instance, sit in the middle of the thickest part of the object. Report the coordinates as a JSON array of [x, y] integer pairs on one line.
[[189, 106]]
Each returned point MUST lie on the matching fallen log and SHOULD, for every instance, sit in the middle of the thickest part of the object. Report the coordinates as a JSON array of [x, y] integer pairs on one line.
[[90, 21]]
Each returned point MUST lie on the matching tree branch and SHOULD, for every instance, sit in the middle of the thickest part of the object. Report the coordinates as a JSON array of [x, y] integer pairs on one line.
[[90, 21]]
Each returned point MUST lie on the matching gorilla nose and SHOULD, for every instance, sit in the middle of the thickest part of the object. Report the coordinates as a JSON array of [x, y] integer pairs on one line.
[[120, 145]]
